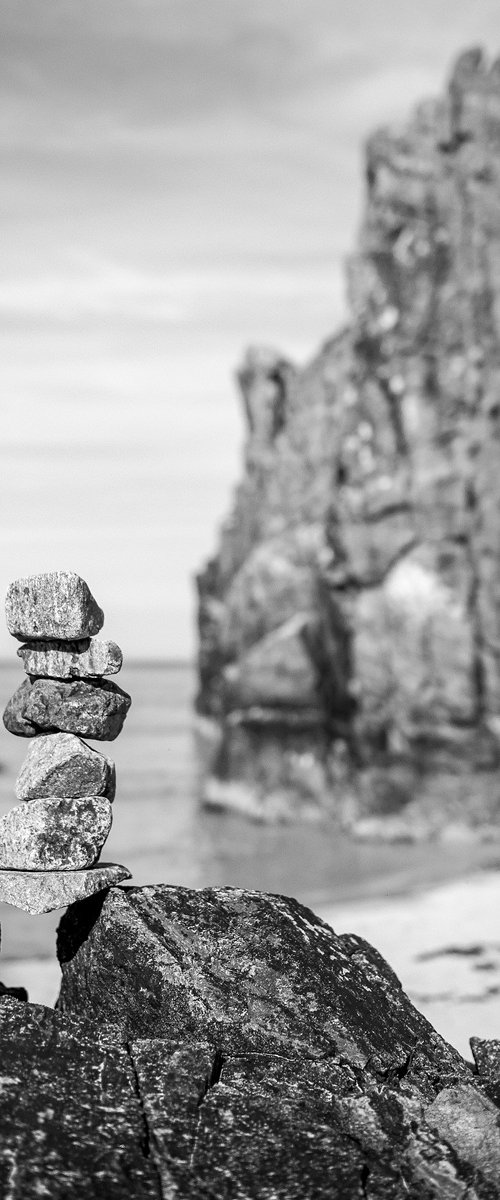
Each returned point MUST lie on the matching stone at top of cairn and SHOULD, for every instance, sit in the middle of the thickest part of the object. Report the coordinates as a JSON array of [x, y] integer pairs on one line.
[[56, 605], [51, 842]]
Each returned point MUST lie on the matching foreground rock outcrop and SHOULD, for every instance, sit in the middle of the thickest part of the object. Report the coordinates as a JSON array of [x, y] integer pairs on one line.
[[227, 1043], [350, 621]]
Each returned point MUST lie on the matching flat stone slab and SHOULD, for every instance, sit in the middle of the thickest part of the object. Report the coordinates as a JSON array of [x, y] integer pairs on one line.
[[57, 604], [60, 764], [43, 891], [89, 657], [53, 834], [94, 708]]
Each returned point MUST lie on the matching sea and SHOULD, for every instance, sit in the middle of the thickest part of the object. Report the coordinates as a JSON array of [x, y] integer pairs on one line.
[[162, 833]]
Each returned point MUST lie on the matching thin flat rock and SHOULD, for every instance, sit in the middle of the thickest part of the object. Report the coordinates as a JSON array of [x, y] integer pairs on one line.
[[54, 834], [57, 604], [43, 891], [90, 657], [94, 708], [60, 764]]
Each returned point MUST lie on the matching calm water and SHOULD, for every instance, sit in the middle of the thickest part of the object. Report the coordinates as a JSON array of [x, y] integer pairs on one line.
[[162, 835]]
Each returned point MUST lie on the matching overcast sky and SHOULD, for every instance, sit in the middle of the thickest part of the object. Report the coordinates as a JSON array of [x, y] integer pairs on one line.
[[180, 178]]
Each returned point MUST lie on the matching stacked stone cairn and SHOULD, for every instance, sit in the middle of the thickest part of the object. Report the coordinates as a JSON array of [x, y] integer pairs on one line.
[[51, 841]]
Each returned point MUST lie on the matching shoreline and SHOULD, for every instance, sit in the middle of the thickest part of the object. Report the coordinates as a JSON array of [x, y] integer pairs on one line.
[[443, 943]]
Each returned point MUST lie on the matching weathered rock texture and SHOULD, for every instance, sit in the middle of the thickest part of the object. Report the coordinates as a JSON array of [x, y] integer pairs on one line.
[[70, 1114], [60, 764], [74, 660], [44, 891], [271, 1056], [58, 604], [350, 622], [54, 834], [94, 708]]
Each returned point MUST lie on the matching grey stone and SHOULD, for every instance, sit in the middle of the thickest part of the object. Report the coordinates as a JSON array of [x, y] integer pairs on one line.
[[71, 1119], [57, 604], [94, 708], [249, 971], [83, 1115], [71, 660], [273, 1057], [468, 1121], [60, 764], [54, 834], [486, 1052], [43, 891], [13, 717]]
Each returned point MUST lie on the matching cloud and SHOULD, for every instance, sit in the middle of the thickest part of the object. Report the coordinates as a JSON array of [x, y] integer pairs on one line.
[[180, 177]]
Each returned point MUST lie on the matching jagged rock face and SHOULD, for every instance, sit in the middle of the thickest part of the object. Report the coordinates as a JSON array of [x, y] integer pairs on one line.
[[71, 1120], [247, 970], [370, 505], [271, 1056]]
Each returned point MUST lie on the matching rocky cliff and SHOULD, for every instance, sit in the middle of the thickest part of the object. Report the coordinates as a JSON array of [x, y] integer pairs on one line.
[[350, 620]]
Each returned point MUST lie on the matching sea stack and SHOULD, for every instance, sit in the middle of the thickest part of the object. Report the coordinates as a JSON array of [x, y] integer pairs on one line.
[[51, 841]]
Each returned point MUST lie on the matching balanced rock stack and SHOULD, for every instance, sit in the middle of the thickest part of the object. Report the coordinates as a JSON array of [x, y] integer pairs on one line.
[[50, 842]]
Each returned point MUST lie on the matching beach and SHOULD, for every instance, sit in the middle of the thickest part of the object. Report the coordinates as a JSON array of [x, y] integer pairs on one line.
[[429, 908]]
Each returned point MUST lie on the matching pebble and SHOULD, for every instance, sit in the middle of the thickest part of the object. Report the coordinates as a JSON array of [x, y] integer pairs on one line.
[[60, 764], [89, 707], [89, 657], [58, 604], [54, 834], [42, 891]]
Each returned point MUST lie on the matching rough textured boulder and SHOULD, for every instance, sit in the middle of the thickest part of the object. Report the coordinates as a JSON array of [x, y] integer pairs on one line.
[[71, 1119], [60, 764], [369, 509], [94, 708], [58, 604], [54, 834], [88, 657], [273, 1057], [247, 970]]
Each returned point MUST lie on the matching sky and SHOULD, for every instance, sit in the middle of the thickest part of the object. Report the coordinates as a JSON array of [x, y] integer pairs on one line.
[[181, 179]]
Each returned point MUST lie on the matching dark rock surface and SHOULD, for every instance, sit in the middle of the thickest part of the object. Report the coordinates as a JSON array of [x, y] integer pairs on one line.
[[364, 534], [57, 604], [94, 708], [71, 660], [71, 1121], [487, 1059], [231, 965], [54, 834], [17, 993], [272, 1057], [60, 764]]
